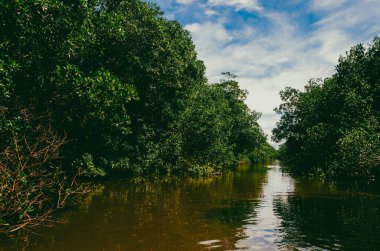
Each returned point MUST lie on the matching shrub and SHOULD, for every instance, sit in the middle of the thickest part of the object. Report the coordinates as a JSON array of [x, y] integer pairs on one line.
[[32, 185]]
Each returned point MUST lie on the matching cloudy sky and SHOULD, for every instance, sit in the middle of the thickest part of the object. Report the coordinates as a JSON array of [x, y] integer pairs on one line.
[[270, 44]]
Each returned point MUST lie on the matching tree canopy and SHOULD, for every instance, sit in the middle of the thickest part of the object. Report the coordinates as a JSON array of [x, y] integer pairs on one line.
[[98, 87], [332, 127]]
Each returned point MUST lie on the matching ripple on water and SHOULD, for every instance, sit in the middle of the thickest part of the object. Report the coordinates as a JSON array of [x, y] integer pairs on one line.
[[246, 210], [211, 244]]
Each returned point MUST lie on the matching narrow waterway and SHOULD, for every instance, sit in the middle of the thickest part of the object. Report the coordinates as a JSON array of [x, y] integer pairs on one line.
[[258, 208], [266, 232]]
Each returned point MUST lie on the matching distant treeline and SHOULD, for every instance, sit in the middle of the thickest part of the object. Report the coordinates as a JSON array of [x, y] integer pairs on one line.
[[97, 87], [332, 128]]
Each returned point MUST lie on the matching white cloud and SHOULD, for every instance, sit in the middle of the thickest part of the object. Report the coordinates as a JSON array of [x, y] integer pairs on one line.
[[284, 55], [325, 4], [210, 12], [184, 1], [209, 37], [251, 5]]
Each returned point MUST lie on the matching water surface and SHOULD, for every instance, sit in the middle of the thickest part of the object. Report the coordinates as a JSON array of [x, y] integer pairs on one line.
[[250, 209]]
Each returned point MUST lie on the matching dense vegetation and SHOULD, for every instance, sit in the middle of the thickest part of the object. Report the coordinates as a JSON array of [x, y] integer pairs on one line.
[[333, 127], [97, 87]]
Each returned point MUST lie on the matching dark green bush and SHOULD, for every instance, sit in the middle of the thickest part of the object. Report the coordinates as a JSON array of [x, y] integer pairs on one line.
[[332, 128], [122, 87], [32, 184]]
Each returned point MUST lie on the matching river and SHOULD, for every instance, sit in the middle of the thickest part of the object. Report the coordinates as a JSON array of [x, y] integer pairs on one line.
[[258, 208]]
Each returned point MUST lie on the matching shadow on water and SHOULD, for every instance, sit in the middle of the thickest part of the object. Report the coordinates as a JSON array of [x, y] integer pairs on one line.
[[241, 204], [307, 214], [250, 209], [323, 215], [166, 214]]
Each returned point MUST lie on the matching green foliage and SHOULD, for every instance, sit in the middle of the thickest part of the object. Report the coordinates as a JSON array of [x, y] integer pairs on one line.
[[356, 154], [219, 129], [333, 126], [123, 86], [32, 185], [87, 167]]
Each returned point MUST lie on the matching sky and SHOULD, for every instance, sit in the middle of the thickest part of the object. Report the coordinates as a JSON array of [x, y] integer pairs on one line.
[[270, 44]]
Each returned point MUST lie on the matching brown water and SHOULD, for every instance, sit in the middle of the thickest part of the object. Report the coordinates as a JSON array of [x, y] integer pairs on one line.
[[251, 209]]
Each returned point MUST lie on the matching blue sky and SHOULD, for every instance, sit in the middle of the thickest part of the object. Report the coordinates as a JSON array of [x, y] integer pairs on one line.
[[270, 44]]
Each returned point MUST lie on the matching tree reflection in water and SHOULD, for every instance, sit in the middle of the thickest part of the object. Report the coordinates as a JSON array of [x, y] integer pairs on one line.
[[163, 214], [251, 209], [321, 215]]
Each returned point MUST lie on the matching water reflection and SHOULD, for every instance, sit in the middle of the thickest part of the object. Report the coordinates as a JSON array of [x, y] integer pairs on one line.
[[265, 232], [168, 214], [306, 214], [252, 209], [322, 216]]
